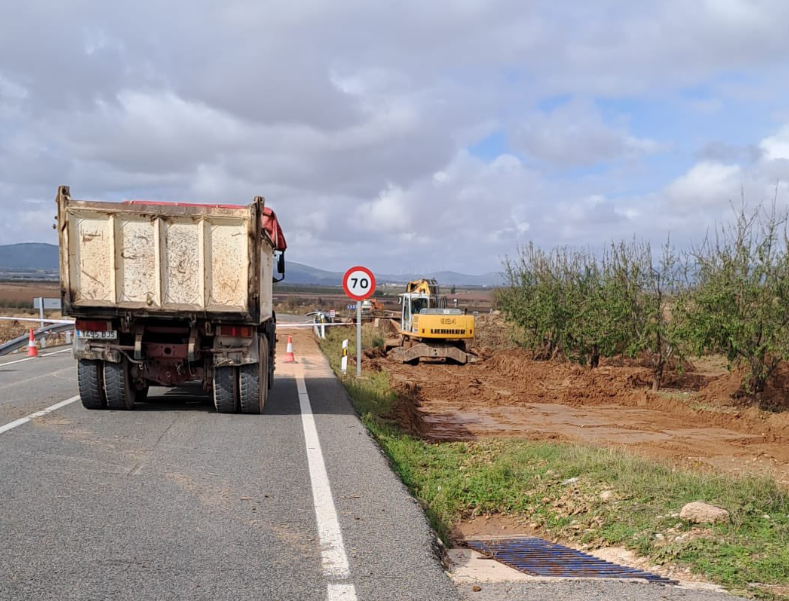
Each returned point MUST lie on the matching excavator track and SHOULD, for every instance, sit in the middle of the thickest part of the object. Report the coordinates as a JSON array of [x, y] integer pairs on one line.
[[433, 350]]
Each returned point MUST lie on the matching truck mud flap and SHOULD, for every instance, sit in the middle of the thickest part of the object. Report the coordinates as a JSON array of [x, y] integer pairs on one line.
[[433, 350]]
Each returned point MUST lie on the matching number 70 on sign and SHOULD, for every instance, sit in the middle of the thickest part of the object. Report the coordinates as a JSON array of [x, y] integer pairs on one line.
[[359, 283]]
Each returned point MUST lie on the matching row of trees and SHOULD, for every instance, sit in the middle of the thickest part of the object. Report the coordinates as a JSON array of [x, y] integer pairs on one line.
[[729, 295]]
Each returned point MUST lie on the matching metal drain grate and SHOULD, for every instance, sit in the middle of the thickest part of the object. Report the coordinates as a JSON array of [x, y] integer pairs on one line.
[[538, 557]]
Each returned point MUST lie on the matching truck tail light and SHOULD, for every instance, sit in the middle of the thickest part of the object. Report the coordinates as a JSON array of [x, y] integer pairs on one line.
[[93, 326], [235, 331]]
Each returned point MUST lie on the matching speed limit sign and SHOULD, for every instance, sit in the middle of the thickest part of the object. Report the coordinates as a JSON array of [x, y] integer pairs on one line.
[[358, 283]]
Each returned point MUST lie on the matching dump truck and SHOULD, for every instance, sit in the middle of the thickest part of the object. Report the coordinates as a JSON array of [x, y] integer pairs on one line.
[[167, 293], [429, 329]]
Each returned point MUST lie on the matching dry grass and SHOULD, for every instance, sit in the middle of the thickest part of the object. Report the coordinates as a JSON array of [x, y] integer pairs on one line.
[[21, 294]]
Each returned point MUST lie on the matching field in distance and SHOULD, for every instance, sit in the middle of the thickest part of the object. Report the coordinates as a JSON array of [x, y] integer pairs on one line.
[[303, 299]]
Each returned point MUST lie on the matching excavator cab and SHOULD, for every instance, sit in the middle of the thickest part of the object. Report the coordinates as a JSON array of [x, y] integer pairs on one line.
[[428, 329], [411, 304]]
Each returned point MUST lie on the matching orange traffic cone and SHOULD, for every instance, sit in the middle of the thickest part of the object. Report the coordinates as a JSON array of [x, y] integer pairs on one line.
[[289, 356], [32, 349]]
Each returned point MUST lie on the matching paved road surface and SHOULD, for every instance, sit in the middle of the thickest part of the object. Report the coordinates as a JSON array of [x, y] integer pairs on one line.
[[587, 590], [174, 501]]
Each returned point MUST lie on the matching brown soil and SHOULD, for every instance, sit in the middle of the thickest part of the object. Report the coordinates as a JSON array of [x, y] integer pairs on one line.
[[693, 421], [492, 334], [11, 329], [25, 292]]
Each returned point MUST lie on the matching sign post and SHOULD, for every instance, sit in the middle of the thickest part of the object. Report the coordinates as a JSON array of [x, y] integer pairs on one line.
[[45, 303], [358, 340], [359, 284], [41, 303]]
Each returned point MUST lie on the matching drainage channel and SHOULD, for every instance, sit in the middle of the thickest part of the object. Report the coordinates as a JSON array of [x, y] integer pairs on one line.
[[538, 557]]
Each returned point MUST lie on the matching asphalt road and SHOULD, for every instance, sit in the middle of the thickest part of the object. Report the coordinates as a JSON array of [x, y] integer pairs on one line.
[[587, 590], [174, 501]]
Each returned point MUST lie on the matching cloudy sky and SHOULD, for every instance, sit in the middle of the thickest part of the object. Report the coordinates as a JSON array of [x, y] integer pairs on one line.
[[402, 135]]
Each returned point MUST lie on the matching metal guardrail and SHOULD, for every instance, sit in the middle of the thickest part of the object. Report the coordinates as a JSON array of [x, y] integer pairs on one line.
[[22, 341]]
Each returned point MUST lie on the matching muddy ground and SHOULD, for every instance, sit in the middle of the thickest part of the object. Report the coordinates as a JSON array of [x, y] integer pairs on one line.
[[694, 421]]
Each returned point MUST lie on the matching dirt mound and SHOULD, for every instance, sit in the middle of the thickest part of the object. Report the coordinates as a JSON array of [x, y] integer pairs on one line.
[[727, 391], [493, 334], [406, 412], [375, 352], [576, 385], [512, 395], [776, 393]]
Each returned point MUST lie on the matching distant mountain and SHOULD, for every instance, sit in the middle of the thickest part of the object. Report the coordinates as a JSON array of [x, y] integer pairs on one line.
[[448, 278], [29, 256], [298, 273], [33, 256]]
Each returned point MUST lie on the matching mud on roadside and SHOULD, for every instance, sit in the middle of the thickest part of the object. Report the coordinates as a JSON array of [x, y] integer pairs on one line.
[[694, 421]]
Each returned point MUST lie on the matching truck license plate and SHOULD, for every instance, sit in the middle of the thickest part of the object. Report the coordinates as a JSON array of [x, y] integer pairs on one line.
[[111, 335]]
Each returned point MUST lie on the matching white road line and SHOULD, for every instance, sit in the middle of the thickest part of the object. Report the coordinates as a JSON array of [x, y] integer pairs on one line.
[[333, 556], [42, 413], [341, 592], [65, 350]]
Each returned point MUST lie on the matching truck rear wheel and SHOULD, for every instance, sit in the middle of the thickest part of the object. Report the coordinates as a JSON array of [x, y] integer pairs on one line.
[[225, 389], [118, 385], [90, 377], [254, 381]]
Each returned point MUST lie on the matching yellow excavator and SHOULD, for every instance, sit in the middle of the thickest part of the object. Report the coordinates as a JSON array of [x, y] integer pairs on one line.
[[429, 329]]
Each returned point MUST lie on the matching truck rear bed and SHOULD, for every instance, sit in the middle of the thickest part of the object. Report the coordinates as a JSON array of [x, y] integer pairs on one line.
[[164, 259]]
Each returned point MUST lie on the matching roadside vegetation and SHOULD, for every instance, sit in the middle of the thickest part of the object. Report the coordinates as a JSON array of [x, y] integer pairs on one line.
[[15, 304], [729, 295], [590, 497]]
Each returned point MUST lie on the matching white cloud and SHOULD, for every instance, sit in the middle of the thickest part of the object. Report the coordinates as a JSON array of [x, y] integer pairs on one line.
[[575, 134], [707, 183], [776, 146], [10, 89], [354, 118], [392, 211]]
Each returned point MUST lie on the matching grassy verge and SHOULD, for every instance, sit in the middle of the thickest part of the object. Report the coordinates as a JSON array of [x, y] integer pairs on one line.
[[588, 496]]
